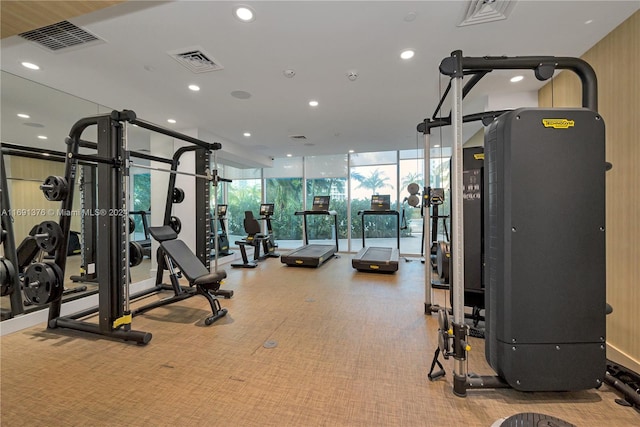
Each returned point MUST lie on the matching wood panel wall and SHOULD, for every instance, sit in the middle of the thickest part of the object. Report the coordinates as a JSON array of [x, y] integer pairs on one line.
[[616, 61], [21, 16]]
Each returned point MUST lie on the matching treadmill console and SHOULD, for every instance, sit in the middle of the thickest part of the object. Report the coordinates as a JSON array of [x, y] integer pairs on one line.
[[380, 202], [222, 211], [320, 203]]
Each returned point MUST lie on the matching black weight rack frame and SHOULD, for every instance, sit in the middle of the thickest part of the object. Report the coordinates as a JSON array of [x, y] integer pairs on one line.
[[112, 159]]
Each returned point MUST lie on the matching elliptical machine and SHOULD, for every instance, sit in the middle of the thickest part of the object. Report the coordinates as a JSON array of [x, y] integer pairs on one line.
[[223, 238], [268, 243]]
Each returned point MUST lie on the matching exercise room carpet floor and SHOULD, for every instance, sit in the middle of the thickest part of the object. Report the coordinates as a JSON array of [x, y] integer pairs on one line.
[[351, 349]]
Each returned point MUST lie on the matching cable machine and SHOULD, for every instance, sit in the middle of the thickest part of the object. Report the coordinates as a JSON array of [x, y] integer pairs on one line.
[[545, 328]]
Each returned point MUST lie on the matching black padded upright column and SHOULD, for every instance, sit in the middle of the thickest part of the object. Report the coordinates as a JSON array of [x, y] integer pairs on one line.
[[545, 248]]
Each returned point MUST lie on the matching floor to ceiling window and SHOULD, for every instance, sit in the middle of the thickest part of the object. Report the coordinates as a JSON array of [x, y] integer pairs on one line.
[[411, 171], [283, 188], [373, 173], [243, 194], [350, 180], [327, 176]]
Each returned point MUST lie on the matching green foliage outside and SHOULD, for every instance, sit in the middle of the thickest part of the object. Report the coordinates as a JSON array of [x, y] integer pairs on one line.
[[286, 195], [141, 201], [244, 195]]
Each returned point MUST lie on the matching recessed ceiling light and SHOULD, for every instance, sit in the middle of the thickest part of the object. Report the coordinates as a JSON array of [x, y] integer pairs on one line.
[[42, 137], [172, 121], [30, 66], [351, 151], [194, 88], [240, 94], [410, 17], [247, 134], [436, 146], [589, 21], [23, 116], [407, 54], [515, 79], [289, 155], [244, 13], [313, 103]]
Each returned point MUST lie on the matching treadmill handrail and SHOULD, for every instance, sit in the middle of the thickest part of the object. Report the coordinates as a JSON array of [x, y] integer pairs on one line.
[[332, 213], [386, 212], [304, 214]]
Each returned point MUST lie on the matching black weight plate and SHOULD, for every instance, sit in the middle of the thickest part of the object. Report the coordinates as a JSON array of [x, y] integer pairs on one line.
[[54, 236], [60, 276], [176, 224], [178, 195], [7, 274], [132, 225], [41, 284], [55, 188], [136, 254]]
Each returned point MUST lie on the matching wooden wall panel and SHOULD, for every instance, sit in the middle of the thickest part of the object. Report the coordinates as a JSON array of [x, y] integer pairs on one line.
[[616, 60], [21, 16]]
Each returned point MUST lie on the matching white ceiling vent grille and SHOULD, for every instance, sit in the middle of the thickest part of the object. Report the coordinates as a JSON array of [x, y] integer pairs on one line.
[[196, 60], [482, 11], [62, 35]]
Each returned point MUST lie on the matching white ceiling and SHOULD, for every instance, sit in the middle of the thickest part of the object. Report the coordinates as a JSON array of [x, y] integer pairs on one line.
[[322, 41]]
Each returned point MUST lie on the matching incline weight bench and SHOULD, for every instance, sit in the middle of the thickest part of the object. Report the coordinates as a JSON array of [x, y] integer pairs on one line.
[[207, 284]]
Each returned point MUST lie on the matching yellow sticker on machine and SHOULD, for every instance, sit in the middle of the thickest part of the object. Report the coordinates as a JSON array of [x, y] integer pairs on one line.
[[478, 156], [558, 123]]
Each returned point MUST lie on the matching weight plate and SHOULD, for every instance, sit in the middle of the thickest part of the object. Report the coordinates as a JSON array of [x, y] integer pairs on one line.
[[55, 188], [176, 224], [136, 254], [132, 225], [178, 195], [53, 240], [413, 188], [7, 275], [41, 283], [443, 321]]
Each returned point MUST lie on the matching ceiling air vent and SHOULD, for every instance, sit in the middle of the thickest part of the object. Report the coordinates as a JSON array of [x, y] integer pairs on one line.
[[196, 60], [298, 137], [482, 11], [62, 35]]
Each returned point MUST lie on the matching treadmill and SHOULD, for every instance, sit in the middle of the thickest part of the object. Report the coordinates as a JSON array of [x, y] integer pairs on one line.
[[313, 255], [378, 259]]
